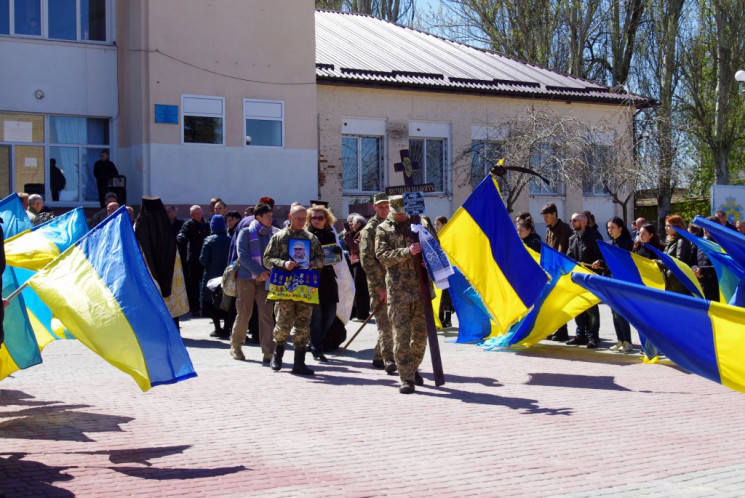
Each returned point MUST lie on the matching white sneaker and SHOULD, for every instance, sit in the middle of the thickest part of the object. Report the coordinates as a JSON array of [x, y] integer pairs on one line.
[[627, 347], [617, 346]]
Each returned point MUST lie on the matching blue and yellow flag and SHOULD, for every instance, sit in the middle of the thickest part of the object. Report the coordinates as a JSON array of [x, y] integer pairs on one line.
[[682, 271], [560, 301], [703, 337], [482, 242], [35, 248], [20, 349], [630, 267], [474, 323], [732, 241], [102, 292], [730, 275], [15, 219]]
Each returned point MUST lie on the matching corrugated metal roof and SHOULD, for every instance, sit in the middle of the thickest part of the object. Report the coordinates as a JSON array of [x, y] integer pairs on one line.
[[362, 50]]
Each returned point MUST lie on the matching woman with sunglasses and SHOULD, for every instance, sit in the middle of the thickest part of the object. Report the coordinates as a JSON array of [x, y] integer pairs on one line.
[[320, 221]]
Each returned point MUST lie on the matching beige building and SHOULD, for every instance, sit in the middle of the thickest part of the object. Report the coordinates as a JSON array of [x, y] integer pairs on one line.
[[383, 88], [245, 98]]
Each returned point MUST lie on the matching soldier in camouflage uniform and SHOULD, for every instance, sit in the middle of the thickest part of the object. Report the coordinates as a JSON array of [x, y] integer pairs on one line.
[[292, 313], [376, 283], [397, 253]]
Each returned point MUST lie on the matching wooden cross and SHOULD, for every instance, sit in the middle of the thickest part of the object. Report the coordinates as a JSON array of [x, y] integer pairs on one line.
[[407, 167]]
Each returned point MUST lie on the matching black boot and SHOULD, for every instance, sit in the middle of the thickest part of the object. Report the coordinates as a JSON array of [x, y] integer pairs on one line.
[[279, 352], [299, 367]]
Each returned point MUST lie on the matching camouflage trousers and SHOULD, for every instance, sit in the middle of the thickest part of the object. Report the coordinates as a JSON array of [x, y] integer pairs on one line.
[[291, 314], [409, 337], [384, 346]]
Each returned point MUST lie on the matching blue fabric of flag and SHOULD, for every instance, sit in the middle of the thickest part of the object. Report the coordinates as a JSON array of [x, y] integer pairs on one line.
[[15, 219], [731, 241], [473, 319]]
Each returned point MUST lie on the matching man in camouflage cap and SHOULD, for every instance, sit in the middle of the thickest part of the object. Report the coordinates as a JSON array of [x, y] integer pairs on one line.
[[383, 357], [397, 254], [292, 313]]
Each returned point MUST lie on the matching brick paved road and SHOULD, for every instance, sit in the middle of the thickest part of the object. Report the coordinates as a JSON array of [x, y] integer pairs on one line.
[[553, 420]]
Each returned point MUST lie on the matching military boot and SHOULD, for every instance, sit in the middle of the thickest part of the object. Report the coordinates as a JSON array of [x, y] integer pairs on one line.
[[279, 352], [299, 367]]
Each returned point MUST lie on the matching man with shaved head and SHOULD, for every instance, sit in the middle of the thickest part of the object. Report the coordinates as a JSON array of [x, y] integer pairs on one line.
[[192, 235], [279, 255], [583, 248]]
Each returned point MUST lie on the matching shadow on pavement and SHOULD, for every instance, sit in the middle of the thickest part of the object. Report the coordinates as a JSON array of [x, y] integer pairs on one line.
[[604, 382], [206, 343], [164, 474], [13, 397], [525, 405], [60, 423], [19, 477], [139, 455]]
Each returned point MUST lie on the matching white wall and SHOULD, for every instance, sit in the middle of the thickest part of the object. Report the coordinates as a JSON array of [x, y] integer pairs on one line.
[[186, 174], [76, 78]]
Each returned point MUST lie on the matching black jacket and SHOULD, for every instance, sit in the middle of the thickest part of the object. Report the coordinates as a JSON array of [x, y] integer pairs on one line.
[[328, 290], [584, 248], [533, 240], [193, 234]]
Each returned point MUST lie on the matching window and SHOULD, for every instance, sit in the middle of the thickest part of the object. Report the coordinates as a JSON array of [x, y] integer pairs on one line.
[[202, 119], [264, 122], [70, 144], [484, 156], [362, 164], [595, 159], [543, 160], [430, 153], [75, 20]]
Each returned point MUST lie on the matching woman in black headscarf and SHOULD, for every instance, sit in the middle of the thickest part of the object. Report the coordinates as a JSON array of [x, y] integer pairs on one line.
[[158, 244]]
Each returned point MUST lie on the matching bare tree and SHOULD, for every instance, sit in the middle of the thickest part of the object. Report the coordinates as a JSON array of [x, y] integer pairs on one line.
[[561, 148], [398, 11]]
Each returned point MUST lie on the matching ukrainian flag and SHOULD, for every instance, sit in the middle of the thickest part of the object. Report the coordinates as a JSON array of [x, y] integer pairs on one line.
[[630, 267], [681, 271], [20, 349], [560, 301], [730, 275], [15, 219], [102, 292], [34, 249], [733, 242], [474, 323], [482, 242], [703, 337]]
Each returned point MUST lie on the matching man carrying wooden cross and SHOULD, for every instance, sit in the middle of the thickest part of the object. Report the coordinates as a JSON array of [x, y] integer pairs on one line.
[[397, 252]]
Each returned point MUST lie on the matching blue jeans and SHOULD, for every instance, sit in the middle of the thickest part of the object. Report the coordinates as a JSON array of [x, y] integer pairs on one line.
[[320, 323]]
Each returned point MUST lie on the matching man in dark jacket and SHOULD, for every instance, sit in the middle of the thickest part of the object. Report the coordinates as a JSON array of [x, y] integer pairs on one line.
[[103, 170], [192, 234], [583, 248], [557, 237]]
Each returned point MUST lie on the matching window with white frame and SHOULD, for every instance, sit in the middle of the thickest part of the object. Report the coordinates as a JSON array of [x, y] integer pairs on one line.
[[73, 20], [203, 119], [362, 163], [264, 122], [595, 158], [544, 160], [484, 156]]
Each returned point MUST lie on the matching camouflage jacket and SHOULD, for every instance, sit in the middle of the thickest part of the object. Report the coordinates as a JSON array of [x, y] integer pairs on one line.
[[374, 270], [277, 253], [392, 250]]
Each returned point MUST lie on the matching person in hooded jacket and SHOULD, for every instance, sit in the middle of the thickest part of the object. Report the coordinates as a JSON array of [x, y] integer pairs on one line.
[[214, 258]]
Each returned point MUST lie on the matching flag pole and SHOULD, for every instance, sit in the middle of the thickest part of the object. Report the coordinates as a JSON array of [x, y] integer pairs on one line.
[[13, 294]]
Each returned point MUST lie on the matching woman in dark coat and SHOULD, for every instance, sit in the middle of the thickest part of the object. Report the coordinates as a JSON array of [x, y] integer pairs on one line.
[[214, 258], [703, 269], [621, 238], [319, 223]]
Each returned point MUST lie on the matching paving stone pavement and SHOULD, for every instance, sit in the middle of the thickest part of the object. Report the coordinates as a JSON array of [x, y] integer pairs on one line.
[[553, 420]]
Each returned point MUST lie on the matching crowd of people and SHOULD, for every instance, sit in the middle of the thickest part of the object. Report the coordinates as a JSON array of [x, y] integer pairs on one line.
[[184, 257], [579, 241]]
